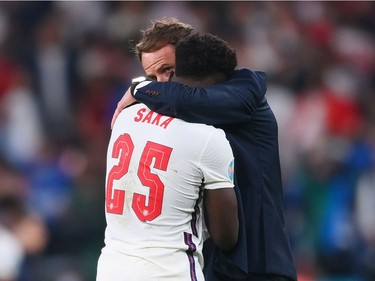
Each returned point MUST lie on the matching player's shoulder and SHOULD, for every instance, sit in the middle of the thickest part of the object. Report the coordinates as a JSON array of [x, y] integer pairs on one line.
[[205, 133], [195, 132], [198, 127]]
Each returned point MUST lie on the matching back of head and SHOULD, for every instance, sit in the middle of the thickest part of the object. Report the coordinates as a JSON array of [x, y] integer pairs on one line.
[[201, 56], [161, 33]]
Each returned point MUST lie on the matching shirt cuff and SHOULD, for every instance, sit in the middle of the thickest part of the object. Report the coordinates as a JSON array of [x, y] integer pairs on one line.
[[135, 86]]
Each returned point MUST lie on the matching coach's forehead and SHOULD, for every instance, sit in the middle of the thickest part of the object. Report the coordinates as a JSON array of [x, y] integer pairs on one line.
[[155, 63]]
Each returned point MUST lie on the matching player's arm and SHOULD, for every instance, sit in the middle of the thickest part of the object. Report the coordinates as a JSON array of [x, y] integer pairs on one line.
[[220, 202], [230, 102], [221, 217]]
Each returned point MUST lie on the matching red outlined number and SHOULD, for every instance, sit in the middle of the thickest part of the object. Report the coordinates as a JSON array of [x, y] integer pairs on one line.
[[161, 154], [123, 148], [154, 155]]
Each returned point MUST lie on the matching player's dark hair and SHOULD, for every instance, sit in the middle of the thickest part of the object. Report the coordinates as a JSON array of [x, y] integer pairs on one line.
[[202, 54], [161, 33]]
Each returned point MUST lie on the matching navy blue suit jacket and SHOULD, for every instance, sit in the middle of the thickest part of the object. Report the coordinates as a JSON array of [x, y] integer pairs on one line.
[[240, 108]]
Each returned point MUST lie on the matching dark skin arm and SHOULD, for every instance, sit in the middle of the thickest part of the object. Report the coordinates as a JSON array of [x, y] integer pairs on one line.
[[221, 217]]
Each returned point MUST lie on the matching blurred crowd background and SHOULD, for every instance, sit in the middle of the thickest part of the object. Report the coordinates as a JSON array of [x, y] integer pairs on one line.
[[65, 65]]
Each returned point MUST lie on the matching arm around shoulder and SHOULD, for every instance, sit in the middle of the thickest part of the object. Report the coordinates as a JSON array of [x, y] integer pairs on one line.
[[230, 102]]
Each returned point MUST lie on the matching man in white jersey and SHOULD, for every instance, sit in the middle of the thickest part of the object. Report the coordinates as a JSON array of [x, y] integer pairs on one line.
[[159, 169]]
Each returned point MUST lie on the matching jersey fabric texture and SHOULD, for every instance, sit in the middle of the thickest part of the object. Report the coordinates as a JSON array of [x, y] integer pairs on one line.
[[240, 108], [157, 169]]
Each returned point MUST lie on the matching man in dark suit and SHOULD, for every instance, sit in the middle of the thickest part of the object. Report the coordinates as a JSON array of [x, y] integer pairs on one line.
[[240, 108]]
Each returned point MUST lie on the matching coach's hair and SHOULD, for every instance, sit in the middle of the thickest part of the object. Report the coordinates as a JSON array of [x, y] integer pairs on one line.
[[161, 33], [201, 55]]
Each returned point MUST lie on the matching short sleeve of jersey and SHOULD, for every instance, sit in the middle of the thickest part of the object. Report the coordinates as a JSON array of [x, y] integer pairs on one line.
[[217, 162]]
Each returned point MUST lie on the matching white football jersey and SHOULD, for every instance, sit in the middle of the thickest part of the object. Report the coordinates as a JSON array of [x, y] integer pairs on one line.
[[157, 169]]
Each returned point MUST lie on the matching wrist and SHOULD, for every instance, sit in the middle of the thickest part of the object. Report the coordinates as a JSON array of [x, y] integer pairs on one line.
[[135, 83]]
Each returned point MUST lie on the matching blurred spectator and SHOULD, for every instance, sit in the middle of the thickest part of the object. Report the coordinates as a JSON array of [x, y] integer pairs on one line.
[[22, 124], [22, 228], [52, 63], [79, 18], [11, 255], [125, 14]]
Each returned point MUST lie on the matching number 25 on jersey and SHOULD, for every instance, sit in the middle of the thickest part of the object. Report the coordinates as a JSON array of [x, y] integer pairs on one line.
[[115, 198]]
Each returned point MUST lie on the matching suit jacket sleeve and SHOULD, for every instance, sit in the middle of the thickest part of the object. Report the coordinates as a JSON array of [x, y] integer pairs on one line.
[[231, 102]]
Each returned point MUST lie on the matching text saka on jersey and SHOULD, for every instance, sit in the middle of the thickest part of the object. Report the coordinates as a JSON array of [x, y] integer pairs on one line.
[[145, 115]]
